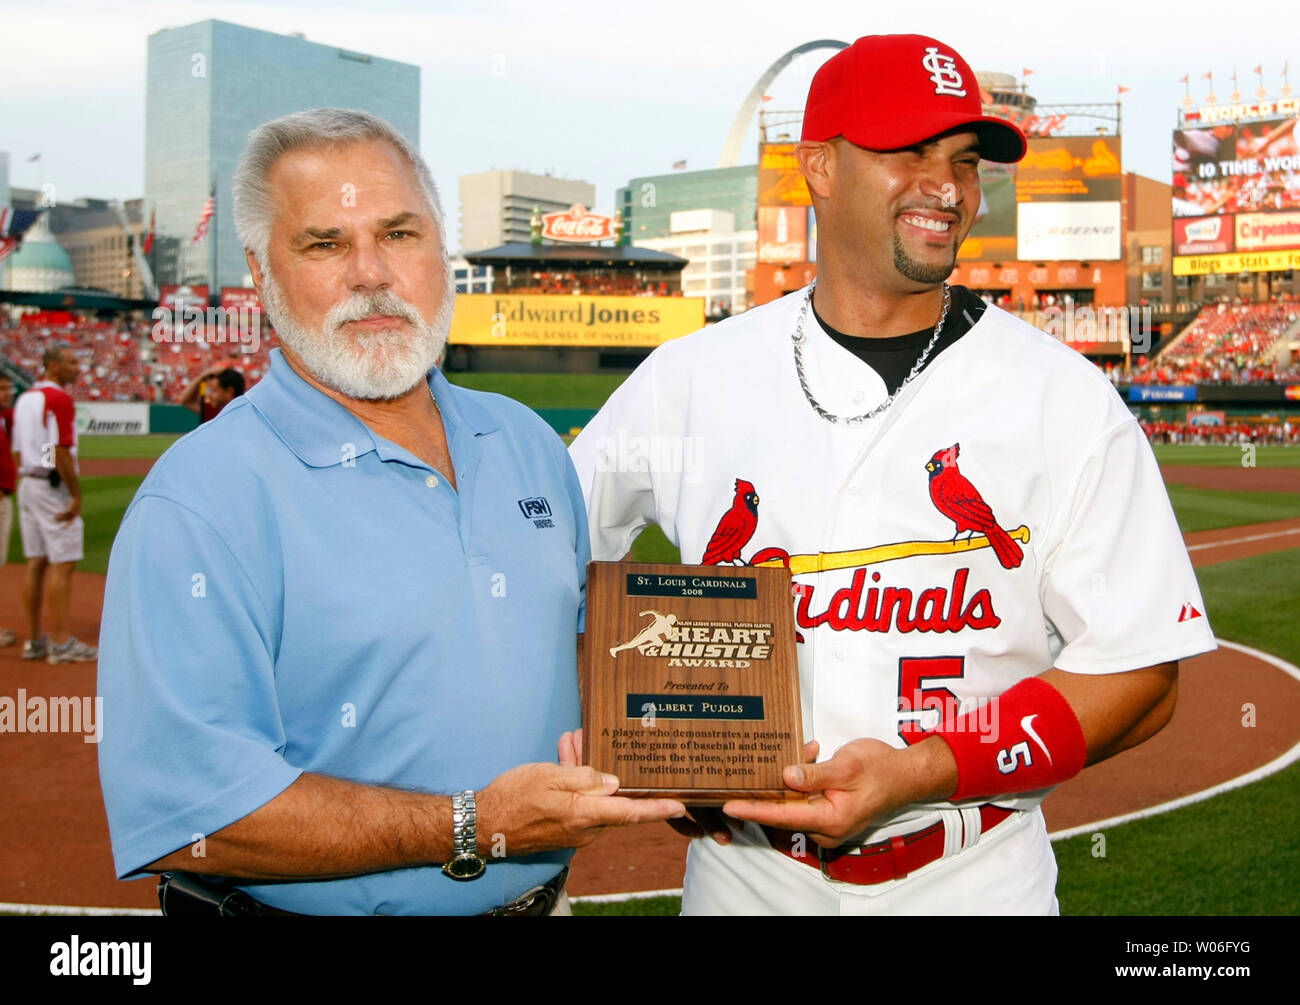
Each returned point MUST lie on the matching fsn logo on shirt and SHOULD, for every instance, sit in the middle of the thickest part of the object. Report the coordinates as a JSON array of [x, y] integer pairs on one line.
[[944, 72], [538, 510]]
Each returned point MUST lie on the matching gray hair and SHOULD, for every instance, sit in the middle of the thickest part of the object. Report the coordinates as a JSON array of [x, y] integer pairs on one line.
[[320, 128]]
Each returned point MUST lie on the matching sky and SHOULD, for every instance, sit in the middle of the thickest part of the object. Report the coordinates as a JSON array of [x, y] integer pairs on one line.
[[609, 91]]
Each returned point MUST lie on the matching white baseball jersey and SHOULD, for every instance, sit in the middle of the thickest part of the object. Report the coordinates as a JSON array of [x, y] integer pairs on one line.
[[898, 624]]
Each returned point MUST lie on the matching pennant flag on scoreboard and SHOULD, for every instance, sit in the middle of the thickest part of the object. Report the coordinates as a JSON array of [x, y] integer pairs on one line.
[[1123, 89], [1025, 72], [14, 223], [205, 217], [1183, 79]]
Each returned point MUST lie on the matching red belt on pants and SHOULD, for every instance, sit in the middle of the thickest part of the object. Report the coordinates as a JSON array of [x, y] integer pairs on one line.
[[866, 865]]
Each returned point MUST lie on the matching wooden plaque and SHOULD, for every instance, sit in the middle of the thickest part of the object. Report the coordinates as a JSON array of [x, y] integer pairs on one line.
[[690, 682]]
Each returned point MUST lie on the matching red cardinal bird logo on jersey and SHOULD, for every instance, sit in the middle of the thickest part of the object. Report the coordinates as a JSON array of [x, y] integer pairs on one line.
[[735, 528], [956, 498]]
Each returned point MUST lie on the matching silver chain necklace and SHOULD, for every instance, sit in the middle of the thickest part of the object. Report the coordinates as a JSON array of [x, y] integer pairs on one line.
[[798, 338]]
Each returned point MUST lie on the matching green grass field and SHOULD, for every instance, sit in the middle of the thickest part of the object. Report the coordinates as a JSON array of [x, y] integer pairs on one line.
[[545, 390], [125, 446], [1210, 509], [1226, 456]]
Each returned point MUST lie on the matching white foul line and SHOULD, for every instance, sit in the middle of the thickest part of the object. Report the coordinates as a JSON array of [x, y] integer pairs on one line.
[[1277, 764], [1243, 540], [90, 912], [618, 898]]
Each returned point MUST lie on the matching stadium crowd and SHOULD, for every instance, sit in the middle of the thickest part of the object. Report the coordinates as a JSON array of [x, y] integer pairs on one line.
[[1225, 344], [124, 360], [136, 359], [1277, 431]]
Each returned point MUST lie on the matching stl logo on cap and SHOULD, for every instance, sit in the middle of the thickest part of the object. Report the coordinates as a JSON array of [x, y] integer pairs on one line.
[[944, 73]]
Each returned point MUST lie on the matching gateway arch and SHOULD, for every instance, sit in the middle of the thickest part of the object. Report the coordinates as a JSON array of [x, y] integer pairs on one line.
[[731, 149]]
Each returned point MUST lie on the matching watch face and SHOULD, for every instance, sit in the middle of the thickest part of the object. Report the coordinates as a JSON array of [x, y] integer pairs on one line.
[[465, 867]]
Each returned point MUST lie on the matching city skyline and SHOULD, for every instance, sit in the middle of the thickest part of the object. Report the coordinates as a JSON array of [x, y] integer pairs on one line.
[[580, 93]]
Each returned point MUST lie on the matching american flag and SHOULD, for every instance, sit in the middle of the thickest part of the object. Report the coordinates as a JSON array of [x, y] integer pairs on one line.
[[209, 207], [679, 165], [14, 223]]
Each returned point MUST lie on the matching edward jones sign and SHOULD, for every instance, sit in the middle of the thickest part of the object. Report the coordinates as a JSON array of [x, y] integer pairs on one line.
[[506, 320]]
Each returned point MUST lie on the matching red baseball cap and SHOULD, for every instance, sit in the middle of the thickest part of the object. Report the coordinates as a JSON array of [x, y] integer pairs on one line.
[[885, 92]]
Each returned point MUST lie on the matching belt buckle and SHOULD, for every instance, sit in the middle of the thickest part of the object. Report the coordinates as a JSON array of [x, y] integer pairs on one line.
[[520, 904], [547, 893], [823, 862]]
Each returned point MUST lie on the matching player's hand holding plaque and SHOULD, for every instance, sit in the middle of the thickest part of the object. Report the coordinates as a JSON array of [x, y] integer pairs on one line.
[[690, 681]]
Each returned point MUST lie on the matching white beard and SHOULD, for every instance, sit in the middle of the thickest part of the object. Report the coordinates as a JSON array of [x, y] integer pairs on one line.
[[372, 366]]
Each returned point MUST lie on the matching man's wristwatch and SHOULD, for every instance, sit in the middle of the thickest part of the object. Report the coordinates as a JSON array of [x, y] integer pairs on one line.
[[465, 862]]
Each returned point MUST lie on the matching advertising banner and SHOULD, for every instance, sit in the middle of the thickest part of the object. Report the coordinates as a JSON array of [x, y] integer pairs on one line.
[[1248, 175], [1258, 261], [1150, 392], [177, 298], [1070, 169], [782, 234], [486, 319], [1067, 230], [1267, 231], [103, 418], [577, 225], [1079, 179], [1206, 235], [240, 298], [1206, 418], [780, 182]]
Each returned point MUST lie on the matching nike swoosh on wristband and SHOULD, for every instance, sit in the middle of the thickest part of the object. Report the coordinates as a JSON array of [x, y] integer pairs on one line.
[[1027, 725]]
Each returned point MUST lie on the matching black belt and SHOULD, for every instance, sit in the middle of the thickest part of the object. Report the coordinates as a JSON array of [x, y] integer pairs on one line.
[[186, 895]]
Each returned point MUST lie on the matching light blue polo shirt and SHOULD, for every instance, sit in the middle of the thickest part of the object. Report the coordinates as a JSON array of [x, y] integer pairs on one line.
[[289, 592]]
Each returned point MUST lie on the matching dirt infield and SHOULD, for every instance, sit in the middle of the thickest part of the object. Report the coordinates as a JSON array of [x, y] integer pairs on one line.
[[103, 467], [1235, 479], [54, 833]]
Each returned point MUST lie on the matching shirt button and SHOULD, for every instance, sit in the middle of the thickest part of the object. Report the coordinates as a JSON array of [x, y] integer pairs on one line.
[[858, 396], [431, 481], [840, 653]]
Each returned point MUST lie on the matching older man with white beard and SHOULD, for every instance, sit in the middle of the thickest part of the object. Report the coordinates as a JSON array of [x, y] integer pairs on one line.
[[336, 685]]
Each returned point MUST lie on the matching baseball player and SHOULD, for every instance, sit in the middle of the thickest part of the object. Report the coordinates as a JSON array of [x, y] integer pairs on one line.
[[990, 587]]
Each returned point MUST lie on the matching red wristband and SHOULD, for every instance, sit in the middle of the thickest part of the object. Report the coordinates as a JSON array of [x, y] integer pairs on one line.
[[1036, 742]]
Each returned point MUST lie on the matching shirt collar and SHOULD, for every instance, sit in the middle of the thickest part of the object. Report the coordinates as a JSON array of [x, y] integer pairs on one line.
[[316, 427]]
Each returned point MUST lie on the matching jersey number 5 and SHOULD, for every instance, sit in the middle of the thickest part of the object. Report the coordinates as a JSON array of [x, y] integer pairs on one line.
[[922, 706]]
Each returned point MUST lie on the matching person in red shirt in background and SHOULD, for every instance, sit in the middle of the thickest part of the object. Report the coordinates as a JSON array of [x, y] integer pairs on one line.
[[220, 386], [49, 507], [8, 479]]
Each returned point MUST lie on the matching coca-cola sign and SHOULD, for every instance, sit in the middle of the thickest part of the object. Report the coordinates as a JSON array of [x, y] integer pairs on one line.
[[578, 226]]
